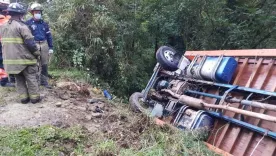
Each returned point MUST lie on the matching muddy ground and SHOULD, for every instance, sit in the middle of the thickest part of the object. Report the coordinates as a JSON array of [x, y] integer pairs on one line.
[[69, 104], [60, 107]]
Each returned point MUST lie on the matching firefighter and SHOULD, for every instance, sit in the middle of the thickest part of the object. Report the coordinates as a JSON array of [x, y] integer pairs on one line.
[[20, 54], [4, 80], [43, 37]]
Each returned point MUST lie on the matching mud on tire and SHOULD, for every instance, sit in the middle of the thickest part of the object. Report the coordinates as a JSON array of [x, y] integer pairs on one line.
[[135, 102]]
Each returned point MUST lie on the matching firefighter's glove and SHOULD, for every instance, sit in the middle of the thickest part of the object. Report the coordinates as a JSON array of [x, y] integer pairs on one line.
[[51, 51]]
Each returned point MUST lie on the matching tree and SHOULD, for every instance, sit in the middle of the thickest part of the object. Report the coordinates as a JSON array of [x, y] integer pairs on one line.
[[117, 39]]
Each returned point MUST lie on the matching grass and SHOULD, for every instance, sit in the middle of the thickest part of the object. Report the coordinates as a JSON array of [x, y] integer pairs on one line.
[[154, 141], [72, 73], [77, 75], [139, 137], [47, 140]]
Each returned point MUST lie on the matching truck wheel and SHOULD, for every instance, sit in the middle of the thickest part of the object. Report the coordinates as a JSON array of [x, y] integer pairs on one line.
[[168, 58], [136, 103]]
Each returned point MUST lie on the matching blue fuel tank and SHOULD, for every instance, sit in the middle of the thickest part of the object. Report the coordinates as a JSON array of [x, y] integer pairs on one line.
[[219, 69]]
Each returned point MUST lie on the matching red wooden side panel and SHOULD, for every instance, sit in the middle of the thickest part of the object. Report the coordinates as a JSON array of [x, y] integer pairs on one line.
[[256, 69]]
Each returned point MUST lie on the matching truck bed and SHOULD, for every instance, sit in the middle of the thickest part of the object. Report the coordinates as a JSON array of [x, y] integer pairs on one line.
[[256, 69]]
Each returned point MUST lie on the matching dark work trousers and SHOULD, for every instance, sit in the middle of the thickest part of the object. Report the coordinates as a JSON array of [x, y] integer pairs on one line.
[[43, 64], [26, 83]]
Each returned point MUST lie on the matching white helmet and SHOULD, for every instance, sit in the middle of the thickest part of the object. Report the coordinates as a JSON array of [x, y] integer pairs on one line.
[[5, 1], [36, 7]]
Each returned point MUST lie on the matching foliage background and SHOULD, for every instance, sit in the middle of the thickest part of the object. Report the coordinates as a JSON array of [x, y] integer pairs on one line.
[[115, 41]]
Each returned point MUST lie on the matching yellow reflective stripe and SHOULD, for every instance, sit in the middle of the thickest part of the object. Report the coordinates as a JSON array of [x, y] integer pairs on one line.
[[34, 96], [19, 42], [23, 96], [12, 40], [20, 61], [15, 38], [14, 72]]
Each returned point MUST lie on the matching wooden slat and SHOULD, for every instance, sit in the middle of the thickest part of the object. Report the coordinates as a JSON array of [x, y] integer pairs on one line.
[[270, 148], [225, 129], [271, 145], [236, 53], [241, 71], [217, 150], [217, 92], [257, 121], [248, 84], [253, 75]]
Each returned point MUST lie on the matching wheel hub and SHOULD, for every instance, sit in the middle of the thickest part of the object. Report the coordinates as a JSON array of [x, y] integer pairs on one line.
[[169, 55]]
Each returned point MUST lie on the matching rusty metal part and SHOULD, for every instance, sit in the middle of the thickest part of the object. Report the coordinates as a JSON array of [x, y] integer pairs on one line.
[[253, 104], [200, 104], [178, 86], [156, 96], [167, 72], [222, 100], [245, 102]]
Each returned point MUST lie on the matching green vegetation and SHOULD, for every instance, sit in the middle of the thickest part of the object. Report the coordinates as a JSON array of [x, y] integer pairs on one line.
[[49, 140], [117, 39], [133, 135], [78, 76], [38, 141], [112, 44]]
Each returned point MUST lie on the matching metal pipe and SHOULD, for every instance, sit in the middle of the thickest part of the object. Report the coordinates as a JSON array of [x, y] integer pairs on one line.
[[231, 86], [151, 81], [235, 100], [244, 124], [200, 104], [204, 94], [254, 104]]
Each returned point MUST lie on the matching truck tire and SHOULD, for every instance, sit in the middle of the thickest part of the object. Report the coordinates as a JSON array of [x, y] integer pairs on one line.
[[168, 58], [135, 104]]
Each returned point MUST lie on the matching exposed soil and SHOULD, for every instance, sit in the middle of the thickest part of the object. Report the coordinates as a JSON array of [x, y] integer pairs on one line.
[[67, 105], [71, 104]]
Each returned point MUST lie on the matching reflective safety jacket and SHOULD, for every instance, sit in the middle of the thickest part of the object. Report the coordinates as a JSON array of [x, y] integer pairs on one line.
[[18, 46], [41, 31]]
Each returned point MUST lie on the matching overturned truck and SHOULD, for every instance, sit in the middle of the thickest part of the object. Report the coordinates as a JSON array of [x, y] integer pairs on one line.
[[229, 92]]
